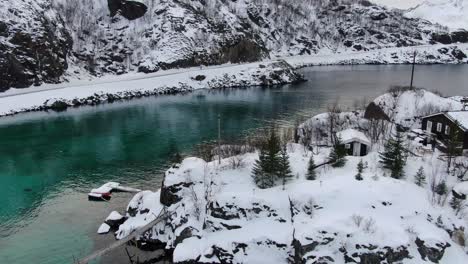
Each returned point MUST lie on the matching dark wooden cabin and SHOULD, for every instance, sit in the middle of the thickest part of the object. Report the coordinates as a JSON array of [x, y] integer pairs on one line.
[[442, 125]]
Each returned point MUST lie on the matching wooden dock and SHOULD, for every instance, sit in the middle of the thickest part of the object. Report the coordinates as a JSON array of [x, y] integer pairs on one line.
[[162, 215]]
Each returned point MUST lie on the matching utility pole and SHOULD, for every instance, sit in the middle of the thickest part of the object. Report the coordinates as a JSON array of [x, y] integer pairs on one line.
[[412, 71], [219, 138]]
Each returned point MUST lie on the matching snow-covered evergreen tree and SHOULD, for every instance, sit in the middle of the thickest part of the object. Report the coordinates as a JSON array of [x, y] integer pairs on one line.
[[284, 168], [360, 169], [338, 154], [456, 204], [420, 178], [267, 166], [394, 156], [311, 173], [261, 176]]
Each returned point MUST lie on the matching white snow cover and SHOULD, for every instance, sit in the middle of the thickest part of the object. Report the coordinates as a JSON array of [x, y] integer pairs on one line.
[[103, 229], [402, 107], [461, 188], [426, 54], [114, 216], [461, 117], [393, 212], [450, 13], [350, 135], [145, 200], [106, 188]]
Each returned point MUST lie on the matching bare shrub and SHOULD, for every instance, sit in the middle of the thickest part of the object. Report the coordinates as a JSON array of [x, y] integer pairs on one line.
[[236, 162], [205, 150], [369, 226], [429, 109], [460, 169], [333, 117], [197, 205], [357, 220], [308, 207], [410, 230]]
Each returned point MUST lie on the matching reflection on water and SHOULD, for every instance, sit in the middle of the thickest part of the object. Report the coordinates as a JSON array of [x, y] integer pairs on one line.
[[48, 161]]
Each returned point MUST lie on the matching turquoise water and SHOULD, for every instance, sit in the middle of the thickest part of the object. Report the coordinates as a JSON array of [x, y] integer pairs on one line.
[[49, 161]]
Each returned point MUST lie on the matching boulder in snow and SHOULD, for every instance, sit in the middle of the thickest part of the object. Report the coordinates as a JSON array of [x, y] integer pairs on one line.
[[104, 229]]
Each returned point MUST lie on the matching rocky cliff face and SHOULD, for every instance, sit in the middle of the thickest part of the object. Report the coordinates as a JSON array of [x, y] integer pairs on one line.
[[118, 36], [34, 44]]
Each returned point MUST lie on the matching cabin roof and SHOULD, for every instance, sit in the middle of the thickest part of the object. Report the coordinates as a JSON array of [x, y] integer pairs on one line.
[[353, 135], [455, 116]]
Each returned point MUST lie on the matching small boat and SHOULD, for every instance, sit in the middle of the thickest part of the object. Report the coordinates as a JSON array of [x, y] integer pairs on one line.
[[104, 193]]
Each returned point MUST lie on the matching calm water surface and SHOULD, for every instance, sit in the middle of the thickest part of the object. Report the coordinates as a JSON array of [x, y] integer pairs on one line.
[[49, 161]]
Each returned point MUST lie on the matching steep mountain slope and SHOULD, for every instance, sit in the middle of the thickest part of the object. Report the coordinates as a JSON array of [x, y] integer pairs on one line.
[[34, 44], [450, 13], [100, 37]]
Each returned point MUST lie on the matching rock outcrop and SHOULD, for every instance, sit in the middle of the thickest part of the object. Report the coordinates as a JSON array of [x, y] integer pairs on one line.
[[34, 44], [130, 9]]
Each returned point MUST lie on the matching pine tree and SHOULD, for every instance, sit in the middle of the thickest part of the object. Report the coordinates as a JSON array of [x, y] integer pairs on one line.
[[394, 156], [338, 154], [266, 168], [261, 177], [441, 188], [311, 174], [420, 178], [360, 169], [284, 168], [273, 147], [456, 204]]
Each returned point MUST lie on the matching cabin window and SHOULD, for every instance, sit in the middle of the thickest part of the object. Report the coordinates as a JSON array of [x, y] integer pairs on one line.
[[347, 146], [447, 130], [429, 126], [439, 127]]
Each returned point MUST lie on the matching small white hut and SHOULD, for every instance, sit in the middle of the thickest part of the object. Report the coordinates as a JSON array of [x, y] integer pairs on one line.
[[355, 142]]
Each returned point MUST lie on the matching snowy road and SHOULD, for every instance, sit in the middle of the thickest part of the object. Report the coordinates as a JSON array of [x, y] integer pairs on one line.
[[115, 79]]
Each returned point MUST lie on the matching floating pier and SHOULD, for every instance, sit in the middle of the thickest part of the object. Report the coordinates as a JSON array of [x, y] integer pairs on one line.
[[104, 193]]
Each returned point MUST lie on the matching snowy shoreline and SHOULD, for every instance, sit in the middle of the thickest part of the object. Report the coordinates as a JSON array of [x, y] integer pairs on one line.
[[111, 88], [136, 86]]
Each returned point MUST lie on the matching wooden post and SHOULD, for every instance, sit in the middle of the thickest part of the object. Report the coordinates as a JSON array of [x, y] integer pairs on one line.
[[412, 70]]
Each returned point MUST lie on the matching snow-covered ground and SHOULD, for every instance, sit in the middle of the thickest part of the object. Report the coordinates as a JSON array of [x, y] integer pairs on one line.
[[450, 13], [337, 214], [425, 55], [220, 216]]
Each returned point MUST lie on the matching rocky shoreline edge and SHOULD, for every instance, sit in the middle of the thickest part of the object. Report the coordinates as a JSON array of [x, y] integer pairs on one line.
[[268, 74]]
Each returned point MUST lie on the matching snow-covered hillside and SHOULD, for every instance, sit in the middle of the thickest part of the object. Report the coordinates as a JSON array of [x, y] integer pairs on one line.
[[101, 37], [450, 13], [217, 214], [335, 219]]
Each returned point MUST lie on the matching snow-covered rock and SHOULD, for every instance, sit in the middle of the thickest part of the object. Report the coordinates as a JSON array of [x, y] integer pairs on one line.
[[103, 229], [220, 216], [114, 220], [405, 106]]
